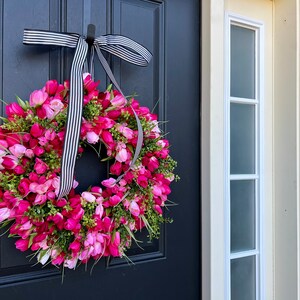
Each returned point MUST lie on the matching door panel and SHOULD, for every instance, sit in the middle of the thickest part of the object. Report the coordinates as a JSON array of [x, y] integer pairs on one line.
[[167, 268]]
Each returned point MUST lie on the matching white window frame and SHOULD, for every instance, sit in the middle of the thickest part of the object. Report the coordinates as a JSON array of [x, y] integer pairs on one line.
[[258, 27]]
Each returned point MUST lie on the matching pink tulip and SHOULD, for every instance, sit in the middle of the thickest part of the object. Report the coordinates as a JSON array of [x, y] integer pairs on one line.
[[127, 132], [109, 182], [158, 209], [88, 197], [49, 112], [75, 246], [114, 200], [36, 130], [17, 150], [9, 162], [29, 153], [38, 151], [3, 145], [51, 87], [19, 170], [96, 189], [116, 168], [118, 101], [142, 181], [37, 98], [107, 138], [99, 210], [134, 208], [40, 167], [14, 109], [70, 224], [4, 213], [71, 263], [40, 199], [23, 187], [92, 137], [122, 155], [56, 105], [22, 244]]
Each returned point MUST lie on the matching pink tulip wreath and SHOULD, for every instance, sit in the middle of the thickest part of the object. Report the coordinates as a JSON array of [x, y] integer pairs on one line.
[[101, 221]]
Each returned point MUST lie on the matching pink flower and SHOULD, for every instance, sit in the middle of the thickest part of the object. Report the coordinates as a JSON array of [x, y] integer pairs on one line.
[[50, 134], [40, 199], [17, 150], [88, 197], [23, 187], [156, 190], [92, 137], [14, 109], [4, 213], [70, 224], [71, 263], [51, 87], [122, 154], [134, 208], [40, 167], [22, 244], [153, 163], [118, 101], [50, 114], [127, 132], [114, 200], [109, 182], [96, 189], [116, 168], [56, 105], [107, 138], [9, 162], [36, 130], [38, 151], [75, 246], [158, 209], [99, 210], [29, 153], [19, 170], [37, 98], [142, 181]]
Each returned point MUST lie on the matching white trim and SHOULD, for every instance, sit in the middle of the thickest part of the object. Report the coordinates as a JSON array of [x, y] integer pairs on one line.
[[242, 254], [258, 252], [243, 177]]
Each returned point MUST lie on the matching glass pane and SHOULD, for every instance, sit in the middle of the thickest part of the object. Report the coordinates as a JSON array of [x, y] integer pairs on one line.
[[242, 215], [242, 66], [242, 138], [243, 278]]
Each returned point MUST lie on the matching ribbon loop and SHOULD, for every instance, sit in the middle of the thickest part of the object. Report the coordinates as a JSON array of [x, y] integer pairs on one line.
[[117, 45]]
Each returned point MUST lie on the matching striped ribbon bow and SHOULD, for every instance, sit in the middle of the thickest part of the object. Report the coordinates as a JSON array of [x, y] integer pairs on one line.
[[117, 45]]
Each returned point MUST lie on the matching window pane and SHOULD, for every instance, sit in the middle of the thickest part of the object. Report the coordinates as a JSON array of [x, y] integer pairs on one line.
[[242, 138], [242, 58], [243, 278], [242, 215]]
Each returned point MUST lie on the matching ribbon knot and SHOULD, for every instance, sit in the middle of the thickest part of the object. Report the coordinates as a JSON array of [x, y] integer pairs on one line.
[[117, 45]]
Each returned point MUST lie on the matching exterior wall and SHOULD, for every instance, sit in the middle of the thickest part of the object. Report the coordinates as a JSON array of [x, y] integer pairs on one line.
[[286, 145]]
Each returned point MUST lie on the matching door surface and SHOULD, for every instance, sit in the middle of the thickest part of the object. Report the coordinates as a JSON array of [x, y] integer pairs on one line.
[[168, 268]]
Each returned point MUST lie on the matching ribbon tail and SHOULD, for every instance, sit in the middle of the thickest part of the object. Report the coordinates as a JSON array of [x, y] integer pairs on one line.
[[111, 76], [73, 125]]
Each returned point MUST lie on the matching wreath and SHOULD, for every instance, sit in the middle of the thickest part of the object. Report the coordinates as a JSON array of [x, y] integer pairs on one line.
[[101, 221]]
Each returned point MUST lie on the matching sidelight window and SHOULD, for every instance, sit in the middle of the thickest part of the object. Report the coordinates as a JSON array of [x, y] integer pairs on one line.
[[244, 100]]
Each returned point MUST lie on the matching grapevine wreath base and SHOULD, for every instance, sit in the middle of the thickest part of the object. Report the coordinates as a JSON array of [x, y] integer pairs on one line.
[[98, 222]]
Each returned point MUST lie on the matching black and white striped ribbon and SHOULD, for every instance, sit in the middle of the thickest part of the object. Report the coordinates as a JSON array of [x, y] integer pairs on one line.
[[120, 46]]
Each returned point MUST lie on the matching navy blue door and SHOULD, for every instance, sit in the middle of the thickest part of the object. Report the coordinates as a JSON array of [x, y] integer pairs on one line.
[[170, 267]]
